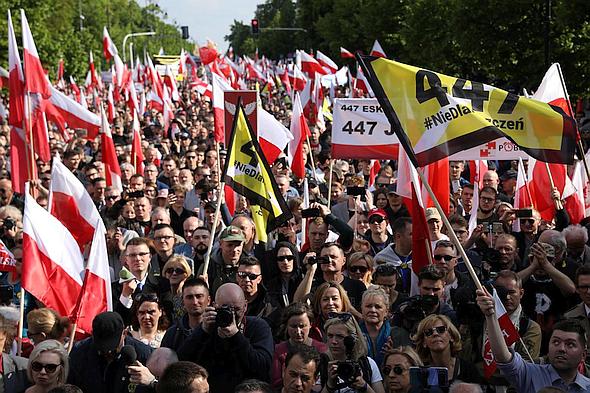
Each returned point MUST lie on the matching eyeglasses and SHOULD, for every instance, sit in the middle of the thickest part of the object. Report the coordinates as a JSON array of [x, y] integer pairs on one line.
[[487, 200], [583, 288], [139, 254], [49, 367], [250, 276], [398, 370], [285, 258], [438, 330], [358, 269], [386, 270], [376, 220], [177, 270], [164, 237], [447, 258], [530, 221], [146, 297], [343, 316]]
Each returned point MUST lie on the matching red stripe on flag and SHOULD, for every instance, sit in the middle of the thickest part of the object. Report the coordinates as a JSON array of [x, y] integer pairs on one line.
[[65, 208]]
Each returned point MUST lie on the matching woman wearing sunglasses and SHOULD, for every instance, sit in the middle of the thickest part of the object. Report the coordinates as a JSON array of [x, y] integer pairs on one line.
[[48, 366], [287, 274], [438, 342], [396, 369], [177, 271], [148, 321], [360, 267], [295, 326], [375, 325], [346, 343]]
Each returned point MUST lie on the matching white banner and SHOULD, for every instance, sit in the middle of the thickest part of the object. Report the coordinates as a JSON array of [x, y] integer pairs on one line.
[[361, 130], [498, 149]]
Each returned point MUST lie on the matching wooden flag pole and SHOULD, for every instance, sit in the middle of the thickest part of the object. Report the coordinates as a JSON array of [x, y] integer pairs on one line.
[[450, 230], [330, 183], [215, 222], [558, 204]]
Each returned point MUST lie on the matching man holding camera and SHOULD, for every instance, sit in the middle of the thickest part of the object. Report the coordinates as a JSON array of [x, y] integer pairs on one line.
[[231, 346]]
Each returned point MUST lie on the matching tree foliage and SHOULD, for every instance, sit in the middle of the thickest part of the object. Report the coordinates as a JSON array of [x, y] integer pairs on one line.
[[501, 42], [58, 33]]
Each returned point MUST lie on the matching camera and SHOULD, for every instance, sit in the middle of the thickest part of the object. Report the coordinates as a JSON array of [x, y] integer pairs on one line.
[[414, 309], [348, 370], [310, 213], [225, 316], [8, 224]]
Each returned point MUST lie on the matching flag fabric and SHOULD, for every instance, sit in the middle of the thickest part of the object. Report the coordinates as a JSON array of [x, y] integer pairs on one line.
[[300, 131], [219, 86], [108, 47], [95, 295], [137, 157], [551, 90], [65, 112], [326, 62], [509, 332], [208, 53], [373, 172], [440, 184], [479, 169], [575, 203], [377, 50], [71, 204], [435, 115], [16, 98], [35, 79], [272, 134], [346, 54], [310, 65], [52, 261], [112, 170], [7, 260], [247, 172]]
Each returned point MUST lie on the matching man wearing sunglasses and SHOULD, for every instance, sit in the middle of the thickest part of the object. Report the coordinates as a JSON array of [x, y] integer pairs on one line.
[[260, 304], [445, 259]]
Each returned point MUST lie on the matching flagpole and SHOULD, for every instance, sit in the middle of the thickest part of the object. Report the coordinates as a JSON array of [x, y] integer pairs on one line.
[[215, 221], [330, 182], [556, 202], [451, 232], [315, 176], [569, 105]]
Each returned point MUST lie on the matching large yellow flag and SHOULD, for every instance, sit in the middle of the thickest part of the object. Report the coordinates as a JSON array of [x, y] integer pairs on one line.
[[248, 173], [436, 115]]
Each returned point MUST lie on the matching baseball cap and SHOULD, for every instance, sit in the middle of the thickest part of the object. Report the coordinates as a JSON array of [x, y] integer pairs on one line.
[[232, 234], [509, 174], [107, 328], [432, 214], [163, 193], [377, 212]]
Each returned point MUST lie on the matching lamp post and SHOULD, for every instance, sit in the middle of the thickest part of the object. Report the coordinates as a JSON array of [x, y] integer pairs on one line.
[[134, 35]]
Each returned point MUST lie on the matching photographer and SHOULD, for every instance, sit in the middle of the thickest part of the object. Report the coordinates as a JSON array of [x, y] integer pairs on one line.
[[348, 368], [230, 345], [11, 223]]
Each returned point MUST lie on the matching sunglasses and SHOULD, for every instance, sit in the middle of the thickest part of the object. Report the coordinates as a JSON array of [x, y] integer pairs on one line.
[[250, 276], [376, 220], [447, 258], [386, 270], [343, 316], [438, 329], [177, 270], [285, 258], [49, 367], [146, 297], [358, 269], [398, 370], [530, 221]]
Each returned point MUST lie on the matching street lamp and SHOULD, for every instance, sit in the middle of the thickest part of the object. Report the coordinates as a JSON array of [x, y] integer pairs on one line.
[[134, 35]]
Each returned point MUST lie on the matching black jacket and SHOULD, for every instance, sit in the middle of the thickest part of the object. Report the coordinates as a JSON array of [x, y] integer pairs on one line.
[[92, 374], [177, 334], [229, 361]]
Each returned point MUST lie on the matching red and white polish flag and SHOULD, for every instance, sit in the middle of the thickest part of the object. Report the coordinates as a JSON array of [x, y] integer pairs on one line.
[[509, 332], [377, 50], [273, 135], [109, 156], [346, 54], [300, 131]]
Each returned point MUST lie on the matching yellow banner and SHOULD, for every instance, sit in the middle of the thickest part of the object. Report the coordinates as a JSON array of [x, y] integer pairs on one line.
[[441, 115], [248, 173]]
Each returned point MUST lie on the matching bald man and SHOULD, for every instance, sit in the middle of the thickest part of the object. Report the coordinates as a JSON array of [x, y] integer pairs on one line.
[[230, 345]]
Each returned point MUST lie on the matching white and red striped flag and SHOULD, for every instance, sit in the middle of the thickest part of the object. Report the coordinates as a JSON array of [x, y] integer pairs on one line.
[[108, 47], [112, 170], [346, 54], [219, 86], [71, 204], [377, 50], [310, 65], [64, 111], [326, 62], [509, 332], [272, 134], [137, 157], [52, 260], [300, 131]]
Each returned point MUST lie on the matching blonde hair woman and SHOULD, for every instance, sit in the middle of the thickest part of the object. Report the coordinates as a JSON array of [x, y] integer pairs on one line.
[[396, 369], [360, 267], [46, 324], [177, 271], [48, 366]]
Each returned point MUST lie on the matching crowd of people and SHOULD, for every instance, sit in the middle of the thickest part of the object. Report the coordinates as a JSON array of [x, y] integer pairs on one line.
[[329, 304]]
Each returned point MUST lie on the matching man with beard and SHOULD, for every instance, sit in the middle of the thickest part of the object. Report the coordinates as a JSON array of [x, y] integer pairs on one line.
[[199, 242], [195, 297]]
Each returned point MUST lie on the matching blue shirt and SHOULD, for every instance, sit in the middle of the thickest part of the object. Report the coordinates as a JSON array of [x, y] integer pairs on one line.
[[530, 377]]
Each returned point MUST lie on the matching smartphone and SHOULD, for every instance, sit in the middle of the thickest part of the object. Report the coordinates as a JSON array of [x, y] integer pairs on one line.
[[135, 194], [355, 191], [524, 213], [310, 213], [456, 185], [428, 379]]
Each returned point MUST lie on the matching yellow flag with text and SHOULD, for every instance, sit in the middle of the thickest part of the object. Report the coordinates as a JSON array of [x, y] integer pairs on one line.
[[436, 115], [248, 173]]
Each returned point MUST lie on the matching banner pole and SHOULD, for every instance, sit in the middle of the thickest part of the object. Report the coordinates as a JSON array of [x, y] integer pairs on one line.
[[557, 203], [450, 231], [21, 324], [330, 183], [215, 222]]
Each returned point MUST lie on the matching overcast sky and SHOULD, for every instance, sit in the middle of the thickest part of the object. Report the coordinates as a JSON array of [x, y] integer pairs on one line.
[[209, 19]]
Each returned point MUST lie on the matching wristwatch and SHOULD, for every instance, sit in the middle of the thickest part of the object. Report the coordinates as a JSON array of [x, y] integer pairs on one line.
[[154, 383]]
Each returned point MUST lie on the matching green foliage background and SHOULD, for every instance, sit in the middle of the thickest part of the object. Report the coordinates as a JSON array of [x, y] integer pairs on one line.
[[55, 25], [500, 42]]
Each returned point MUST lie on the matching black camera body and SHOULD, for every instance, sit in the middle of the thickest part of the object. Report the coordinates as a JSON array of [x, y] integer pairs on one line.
[[225, 316], [348, 371], [8, 224]]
